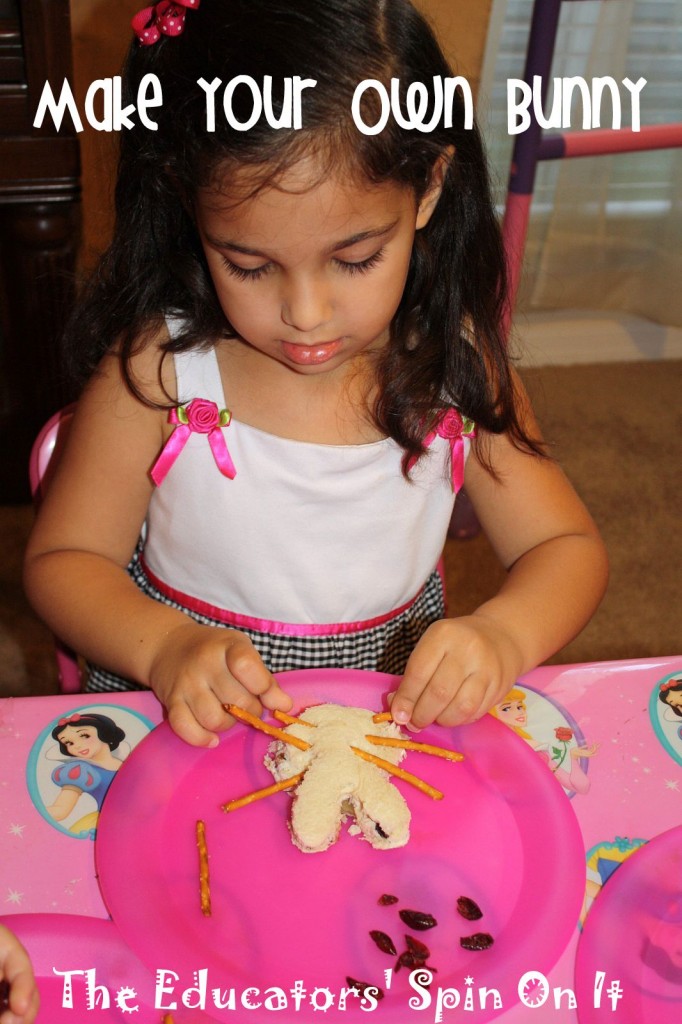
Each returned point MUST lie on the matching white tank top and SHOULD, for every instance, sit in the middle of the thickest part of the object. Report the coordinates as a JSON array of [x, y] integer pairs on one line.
[[305, 533]]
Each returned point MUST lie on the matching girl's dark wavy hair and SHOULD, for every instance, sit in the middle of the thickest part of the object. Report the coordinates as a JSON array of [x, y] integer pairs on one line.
[[447, 344]]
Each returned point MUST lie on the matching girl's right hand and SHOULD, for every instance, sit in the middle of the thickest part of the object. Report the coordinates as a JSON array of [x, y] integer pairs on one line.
[[199, 668], [17, 973]]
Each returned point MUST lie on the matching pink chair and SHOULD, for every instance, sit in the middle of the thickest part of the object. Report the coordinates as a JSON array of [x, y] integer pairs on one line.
[[48, 443]]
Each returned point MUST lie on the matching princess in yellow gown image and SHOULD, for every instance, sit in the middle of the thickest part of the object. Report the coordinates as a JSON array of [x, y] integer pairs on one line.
[[562, 753]]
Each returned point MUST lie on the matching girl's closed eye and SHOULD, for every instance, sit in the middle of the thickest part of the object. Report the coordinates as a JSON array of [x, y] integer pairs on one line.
[[347, 266], [362, 266], [246, 273]]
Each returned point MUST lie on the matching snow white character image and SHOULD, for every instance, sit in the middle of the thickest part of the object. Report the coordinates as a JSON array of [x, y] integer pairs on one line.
[[670, 694], [665, 710], [513, 711], [88, 741], [75, 759]]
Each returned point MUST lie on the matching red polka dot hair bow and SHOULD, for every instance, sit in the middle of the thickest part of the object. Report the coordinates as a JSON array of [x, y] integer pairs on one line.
[[167, 17]]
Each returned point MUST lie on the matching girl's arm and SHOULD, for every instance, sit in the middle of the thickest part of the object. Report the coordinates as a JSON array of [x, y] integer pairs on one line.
[[85, 534], [16, 971], [556, 576]]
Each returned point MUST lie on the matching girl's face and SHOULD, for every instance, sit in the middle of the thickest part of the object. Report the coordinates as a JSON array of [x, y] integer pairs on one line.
[[81, 741], [310, 272]]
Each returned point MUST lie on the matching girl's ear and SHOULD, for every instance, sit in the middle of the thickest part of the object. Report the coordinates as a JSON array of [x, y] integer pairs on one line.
[[430, 198]]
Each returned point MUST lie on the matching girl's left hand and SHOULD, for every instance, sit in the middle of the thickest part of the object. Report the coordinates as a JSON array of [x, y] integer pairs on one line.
[[457, 671]]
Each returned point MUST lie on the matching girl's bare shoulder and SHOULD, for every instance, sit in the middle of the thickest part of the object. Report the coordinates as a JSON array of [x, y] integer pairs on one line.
[[123, 419], [147, 378]]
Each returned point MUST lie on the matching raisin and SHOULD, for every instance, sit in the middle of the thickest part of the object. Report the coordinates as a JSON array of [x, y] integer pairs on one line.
[[417, 919], [419, 949], [468, 909], [379, 829], [4, 995], [480, 940], [384, 942], [361, 987], [386, 900]]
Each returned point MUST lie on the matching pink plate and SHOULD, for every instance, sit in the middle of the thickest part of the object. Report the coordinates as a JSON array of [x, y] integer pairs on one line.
[[633, 933], [505, 835], [69, 943]]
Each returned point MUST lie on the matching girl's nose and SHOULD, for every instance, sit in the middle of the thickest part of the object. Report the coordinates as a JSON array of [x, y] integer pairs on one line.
[[306, 305]]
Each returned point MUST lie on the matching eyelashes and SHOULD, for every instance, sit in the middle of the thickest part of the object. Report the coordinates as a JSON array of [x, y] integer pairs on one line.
[[242, 274], [363, 265], [256, 273]]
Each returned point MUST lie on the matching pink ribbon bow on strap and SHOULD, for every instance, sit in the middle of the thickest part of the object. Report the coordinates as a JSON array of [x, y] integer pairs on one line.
[[166, 17], [454, 428], [200, 417]]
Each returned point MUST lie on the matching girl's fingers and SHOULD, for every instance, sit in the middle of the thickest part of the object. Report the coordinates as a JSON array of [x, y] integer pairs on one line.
[[410, 690], [24, 1001], [275, 699], [448, 698], [23, 998], [431, 677], [246, 666], [184, 722]]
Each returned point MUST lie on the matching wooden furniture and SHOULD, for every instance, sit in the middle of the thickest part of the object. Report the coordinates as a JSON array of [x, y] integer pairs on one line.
[[39, 229], [46, 446]]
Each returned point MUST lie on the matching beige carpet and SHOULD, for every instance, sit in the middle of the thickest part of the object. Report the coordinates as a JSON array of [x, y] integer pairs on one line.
[[616, 429]]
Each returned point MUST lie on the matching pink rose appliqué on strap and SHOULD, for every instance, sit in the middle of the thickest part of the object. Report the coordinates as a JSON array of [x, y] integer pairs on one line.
[[199, 417], [454, 428]]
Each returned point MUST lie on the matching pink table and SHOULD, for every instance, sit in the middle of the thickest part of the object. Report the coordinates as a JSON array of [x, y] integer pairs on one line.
[[624, 781]]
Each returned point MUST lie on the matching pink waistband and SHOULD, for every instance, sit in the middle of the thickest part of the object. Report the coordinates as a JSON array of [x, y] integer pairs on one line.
[[237, 620]]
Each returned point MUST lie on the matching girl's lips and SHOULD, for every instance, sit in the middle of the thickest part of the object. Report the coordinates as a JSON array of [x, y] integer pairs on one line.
[[310, 355]]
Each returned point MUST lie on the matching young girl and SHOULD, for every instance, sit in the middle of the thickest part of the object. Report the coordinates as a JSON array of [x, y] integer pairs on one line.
[[288, 345], [19, 1000]]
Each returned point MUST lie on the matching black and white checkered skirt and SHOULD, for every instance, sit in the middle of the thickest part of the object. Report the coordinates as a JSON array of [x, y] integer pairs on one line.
[[383, 647]]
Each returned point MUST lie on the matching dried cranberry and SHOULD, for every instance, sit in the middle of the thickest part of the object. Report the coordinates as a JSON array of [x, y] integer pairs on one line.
[[417, 919], [384, 942], [468, 909], [386, 900], [480, 940], [410, 960], [362, 986], [418, 948]]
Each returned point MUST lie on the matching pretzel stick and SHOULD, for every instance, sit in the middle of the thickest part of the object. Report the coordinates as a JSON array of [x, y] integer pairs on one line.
[[282, 716], [271, 730], [258, 794], [424, 748], [204, 883], [393, 769], [383, 716]]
